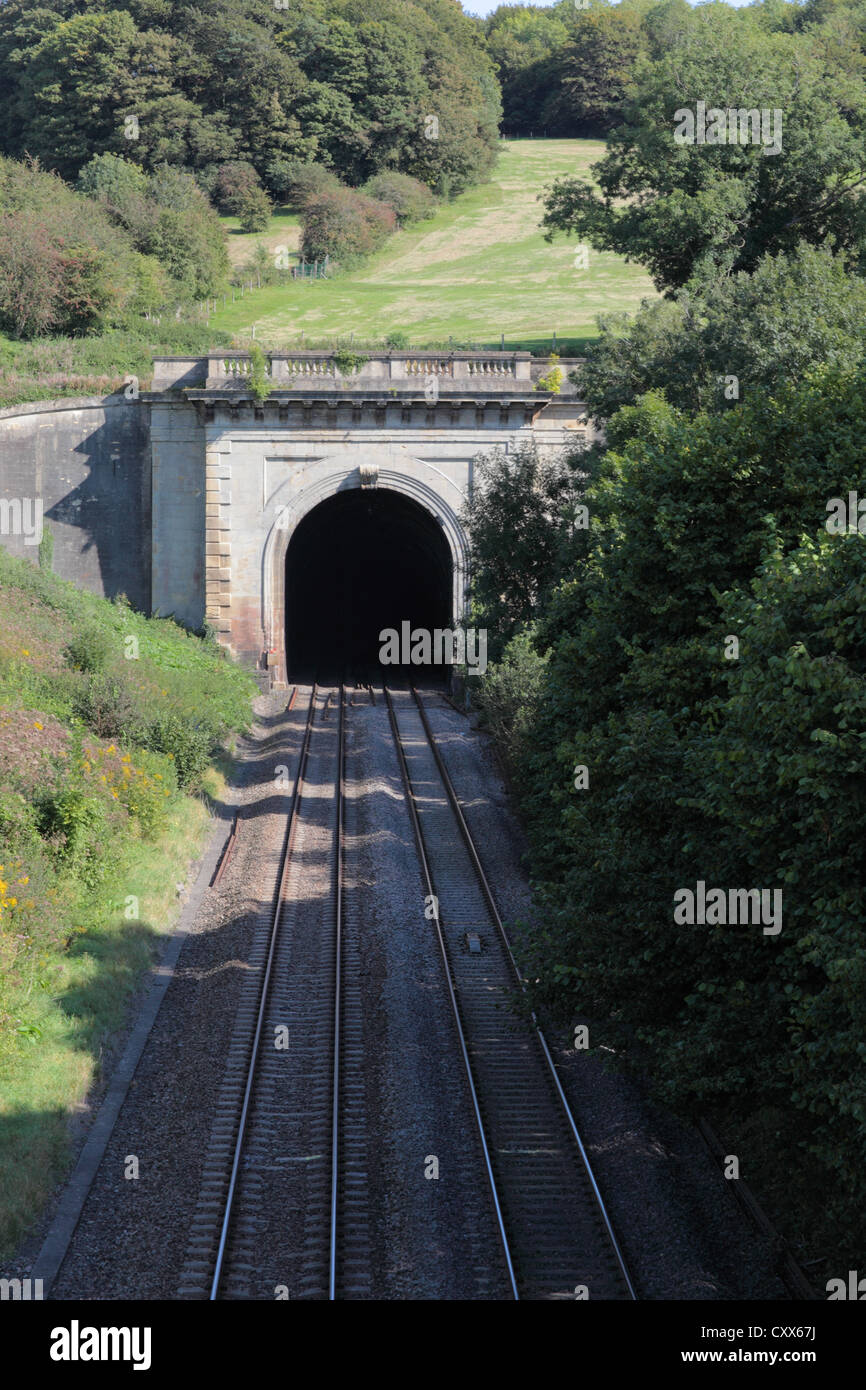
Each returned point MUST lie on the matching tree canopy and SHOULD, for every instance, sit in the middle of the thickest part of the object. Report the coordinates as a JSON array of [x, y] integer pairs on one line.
[[350, 83]]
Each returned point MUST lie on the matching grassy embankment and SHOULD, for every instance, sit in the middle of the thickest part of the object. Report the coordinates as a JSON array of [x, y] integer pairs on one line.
[[106, 761], [477, 270]]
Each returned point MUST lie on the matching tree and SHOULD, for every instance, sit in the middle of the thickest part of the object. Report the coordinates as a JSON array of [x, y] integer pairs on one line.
[[699, 211], [740, 771], [745, 333], [523, 525], [254, 210], [112, 180], [411, 200], [344, 225], [234, 182], [595, 71], [524, 42]]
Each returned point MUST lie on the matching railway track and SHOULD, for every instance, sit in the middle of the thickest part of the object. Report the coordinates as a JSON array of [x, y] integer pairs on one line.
[[557, 1239], [284, 1205], [288, 1113]]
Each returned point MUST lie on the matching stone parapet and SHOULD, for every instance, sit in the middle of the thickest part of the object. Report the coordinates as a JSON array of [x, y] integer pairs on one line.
[[481, 373]]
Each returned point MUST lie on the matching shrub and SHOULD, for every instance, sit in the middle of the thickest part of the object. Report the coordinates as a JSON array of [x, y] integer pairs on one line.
[[75, 820], [107, 706], [260, 382], [254, 210], [553, 381], [345, 225], [510, 696], [89, 649], [411, 200], [234, 182], [46, 549], [299, 182], [188, 744]]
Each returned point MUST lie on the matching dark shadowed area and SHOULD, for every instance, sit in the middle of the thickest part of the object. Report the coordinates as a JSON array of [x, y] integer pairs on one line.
[[359, 563]]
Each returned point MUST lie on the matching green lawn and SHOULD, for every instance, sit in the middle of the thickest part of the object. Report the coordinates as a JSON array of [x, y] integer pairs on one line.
[[284, 229], [478, 270]]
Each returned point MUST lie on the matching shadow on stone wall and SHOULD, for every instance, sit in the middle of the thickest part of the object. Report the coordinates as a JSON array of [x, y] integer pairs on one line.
[[89, 461]]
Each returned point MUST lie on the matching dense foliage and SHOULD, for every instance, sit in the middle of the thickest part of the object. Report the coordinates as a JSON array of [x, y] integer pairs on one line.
[[524, 519], [740, 769], [697, 211], [108, 721], [410, 199], [344, 225], [743, 333], [349, 83], [128, 244]]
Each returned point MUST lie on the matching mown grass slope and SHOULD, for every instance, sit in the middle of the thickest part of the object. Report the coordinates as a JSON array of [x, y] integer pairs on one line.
[[478, 270]]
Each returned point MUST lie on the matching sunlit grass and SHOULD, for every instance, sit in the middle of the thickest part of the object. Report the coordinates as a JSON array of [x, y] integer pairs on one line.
[[479, 271]]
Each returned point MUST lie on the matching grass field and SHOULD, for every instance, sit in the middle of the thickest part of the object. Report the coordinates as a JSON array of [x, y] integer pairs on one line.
[[284, 229], [478, 270]]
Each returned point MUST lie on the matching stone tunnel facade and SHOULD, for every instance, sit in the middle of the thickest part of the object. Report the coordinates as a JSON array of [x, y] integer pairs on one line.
[[187, 498], [233, 478]]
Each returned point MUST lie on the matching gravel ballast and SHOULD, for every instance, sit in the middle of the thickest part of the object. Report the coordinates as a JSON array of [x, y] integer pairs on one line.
[[430, 1238]]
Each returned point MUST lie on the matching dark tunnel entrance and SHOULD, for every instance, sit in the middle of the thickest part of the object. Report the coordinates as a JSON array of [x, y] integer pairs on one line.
[[358, 563]]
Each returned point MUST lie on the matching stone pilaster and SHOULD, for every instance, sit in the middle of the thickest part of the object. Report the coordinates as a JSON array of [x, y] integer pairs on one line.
[[218, 550]]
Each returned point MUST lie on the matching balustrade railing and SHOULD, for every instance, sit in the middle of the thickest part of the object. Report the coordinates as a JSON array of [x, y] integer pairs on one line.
[[496, 371]]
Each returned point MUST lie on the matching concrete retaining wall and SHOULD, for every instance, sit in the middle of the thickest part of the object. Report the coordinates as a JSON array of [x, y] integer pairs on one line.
[[88, 460]]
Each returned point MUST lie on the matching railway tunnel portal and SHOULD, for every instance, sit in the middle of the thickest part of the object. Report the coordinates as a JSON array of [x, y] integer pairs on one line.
[[300, 517]]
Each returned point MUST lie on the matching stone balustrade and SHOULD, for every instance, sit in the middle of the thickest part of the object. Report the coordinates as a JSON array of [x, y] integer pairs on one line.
[[392, 372]]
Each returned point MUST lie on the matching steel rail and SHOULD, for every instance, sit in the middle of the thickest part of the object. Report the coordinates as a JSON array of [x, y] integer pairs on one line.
[[338, 968], [494, 912], [425, 865], [263, 998]]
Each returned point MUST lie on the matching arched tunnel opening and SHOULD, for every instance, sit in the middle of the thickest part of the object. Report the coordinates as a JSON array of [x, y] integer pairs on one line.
[[361, 562]]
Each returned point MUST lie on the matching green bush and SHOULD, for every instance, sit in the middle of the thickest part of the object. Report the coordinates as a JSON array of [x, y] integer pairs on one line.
[[254, 210], [89, 649], [740, 773], [75, 820], [189, 745], [299, 182], [510, 696], [108, 706], [46, 549], [344, 225], [411, 200]]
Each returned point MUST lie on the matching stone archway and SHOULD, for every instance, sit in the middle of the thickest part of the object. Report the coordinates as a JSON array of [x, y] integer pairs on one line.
[[292, 507]]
